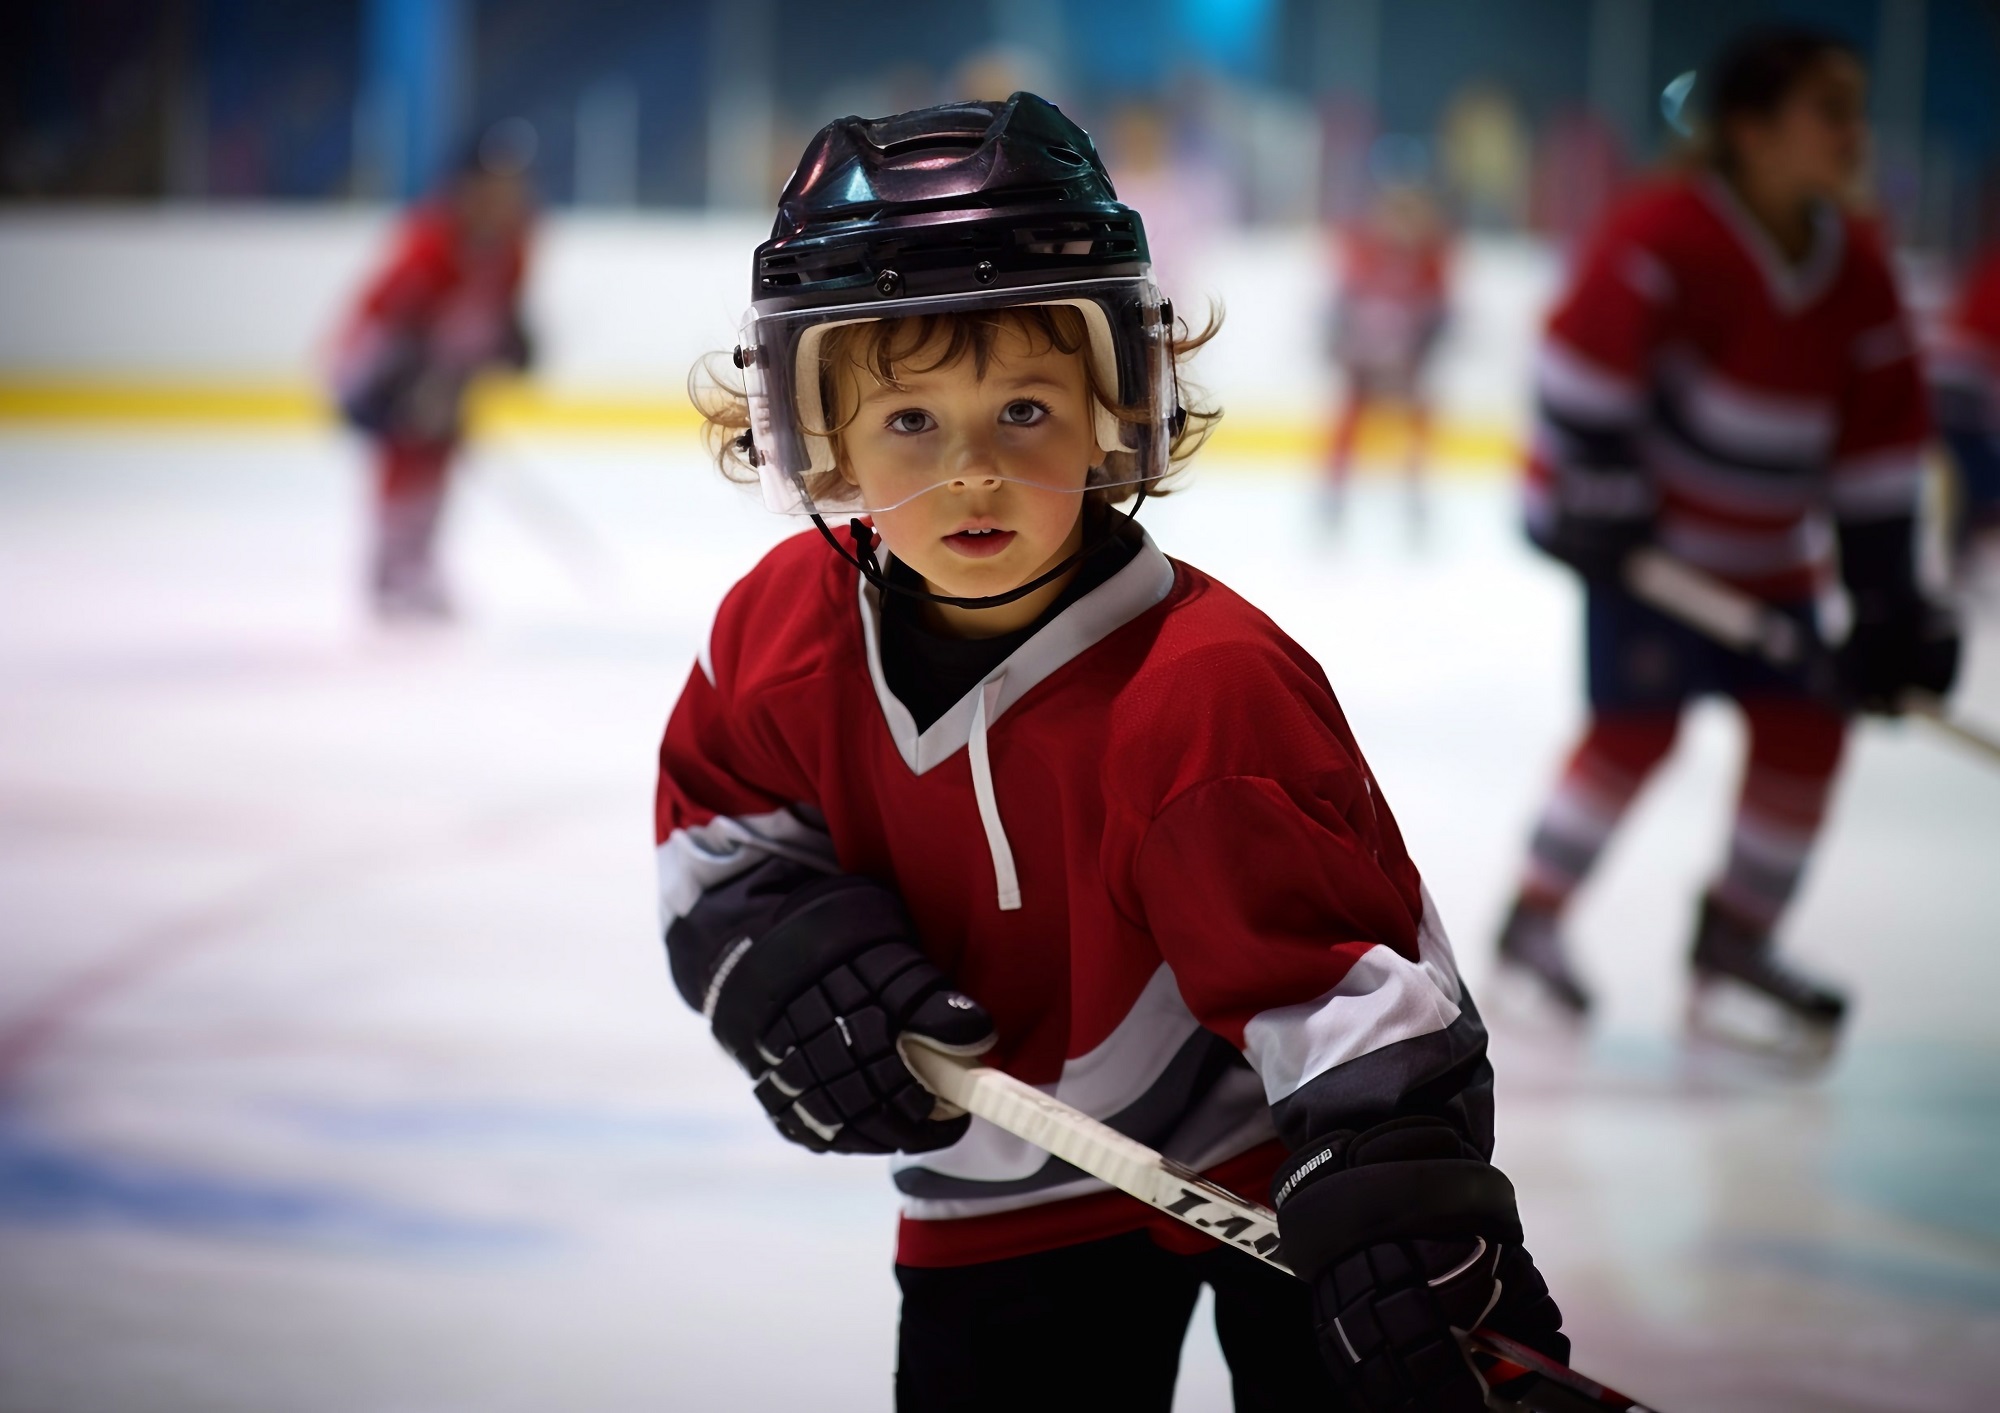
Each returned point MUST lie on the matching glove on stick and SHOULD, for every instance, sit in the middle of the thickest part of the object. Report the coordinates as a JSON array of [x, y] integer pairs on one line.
[[812, 1006], [1409, 1238]]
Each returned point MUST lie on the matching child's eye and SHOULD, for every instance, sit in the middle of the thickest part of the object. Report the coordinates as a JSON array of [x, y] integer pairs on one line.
[[910, 423], [1025, 413]]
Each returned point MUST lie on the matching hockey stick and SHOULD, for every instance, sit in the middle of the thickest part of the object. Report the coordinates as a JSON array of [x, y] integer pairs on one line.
[[1749, 625], [1130, 1166]]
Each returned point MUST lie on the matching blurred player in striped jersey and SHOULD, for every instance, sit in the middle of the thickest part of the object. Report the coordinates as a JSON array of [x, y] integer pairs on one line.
[[1730, 377]]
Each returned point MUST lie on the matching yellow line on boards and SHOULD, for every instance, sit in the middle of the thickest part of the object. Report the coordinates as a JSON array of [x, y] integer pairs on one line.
[[519, 407], [496, 407], [43, 400]]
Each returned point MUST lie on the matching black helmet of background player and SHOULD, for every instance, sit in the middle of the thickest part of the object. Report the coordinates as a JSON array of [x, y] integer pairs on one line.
[[950, 210], [1751, 101]]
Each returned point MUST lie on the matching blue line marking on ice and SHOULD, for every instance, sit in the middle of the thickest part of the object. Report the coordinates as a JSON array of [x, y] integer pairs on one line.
[[48, 1183]]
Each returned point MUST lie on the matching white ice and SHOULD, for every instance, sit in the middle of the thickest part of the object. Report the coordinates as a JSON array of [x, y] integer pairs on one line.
[[339, 1068]]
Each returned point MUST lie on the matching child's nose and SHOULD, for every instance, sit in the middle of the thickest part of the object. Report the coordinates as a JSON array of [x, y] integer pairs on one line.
[[975, 464]]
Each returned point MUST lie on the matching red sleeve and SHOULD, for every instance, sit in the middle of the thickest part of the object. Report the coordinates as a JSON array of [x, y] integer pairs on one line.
[[1884, 413], [1593, 369], [421, 269], [729, 794], [707, 768], [1279, 891], [716, 757], [1263, 892], [1613, 313]]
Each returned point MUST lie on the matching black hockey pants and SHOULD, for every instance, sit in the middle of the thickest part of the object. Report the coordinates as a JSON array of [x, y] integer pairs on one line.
[[1098, 1327]]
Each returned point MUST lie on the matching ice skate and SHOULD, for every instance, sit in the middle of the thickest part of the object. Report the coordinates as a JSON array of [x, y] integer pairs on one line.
[[406, 584], [1748, 998], [421, 601], [1535, 979]]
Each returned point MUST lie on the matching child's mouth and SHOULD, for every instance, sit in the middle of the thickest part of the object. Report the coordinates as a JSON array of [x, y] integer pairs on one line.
[[980, 544]]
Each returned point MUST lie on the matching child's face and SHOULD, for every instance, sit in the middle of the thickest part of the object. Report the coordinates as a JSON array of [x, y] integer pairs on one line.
[[1816, 142], [1027, 419]]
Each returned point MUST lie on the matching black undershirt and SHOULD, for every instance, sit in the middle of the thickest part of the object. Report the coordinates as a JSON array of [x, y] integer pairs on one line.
[[929, 671]]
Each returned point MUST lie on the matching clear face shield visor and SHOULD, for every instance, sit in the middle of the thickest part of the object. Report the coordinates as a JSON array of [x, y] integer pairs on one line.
[[789, 386]]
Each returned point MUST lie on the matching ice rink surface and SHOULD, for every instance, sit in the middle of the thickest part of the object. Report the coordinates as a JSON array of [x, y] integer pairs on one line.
[[340, 1072]]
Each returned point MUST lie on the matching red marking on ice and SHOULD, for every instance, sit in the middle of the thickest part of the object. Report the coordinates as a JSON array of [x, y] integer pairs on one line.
[[25, 1038]]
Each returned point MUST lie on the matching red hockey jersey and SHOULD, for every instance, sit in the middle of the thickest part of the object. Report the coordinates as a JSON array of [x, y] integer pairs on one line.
[[434, 276], [1146, 843], [441, 307], [1690, 371]]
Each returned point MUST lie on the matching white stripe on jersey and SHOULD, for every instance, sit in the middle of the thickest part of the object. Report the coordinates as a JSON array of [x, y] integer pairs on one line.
[[1879, 486], [1231, 1118], [1739, 422], [1105, 1081], [1584, 391], [1109, 1078], [696, 859], [1749, 553], [1728, 488], [1384, 999]]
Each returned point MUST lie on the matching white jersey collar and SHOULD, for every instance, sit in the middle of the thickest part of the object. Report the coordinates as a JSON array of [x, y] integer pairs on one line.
[[1792, 287], [1098, 614]]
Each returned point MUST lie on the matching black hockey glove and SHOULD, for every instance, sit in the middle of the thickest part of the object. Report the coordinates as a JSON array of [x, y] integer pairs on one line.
[[1595, 546], [1409, 1240], [1895, 647], [1900, 640], [812, 1006]]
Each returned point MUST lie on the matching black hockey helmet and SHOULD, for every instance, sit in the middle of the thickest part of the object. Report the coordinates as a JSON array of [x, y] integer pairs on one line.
[[950, 211], [961, 197]]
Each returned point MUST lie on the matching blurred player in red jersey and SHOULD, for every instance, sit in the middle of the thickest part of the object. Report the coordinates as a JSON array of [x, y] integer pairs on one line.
[[1965, 389], [1731, 379], [1393, 268], [445, 306]]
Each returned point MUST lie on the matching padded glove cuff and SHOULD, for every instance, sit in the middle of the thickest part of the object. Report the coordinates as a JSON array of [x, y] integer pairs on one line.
[[1408, 1179]]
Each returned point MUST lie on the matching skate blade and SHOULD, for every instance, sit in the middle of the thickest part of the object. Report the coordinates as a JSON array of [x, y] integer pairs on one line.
[[1521, 998], [1726, 1016]]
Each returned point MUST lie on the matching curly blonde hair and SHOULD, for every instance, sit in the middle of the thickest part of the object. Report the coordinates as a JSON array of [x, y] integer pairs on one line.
[[884, 348]]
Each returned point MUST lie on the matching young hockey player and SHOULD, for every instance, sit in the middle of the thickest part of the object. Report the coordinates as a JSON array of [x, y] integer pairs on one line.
[[1730, 363], [978, 763], [444, 307], [1391, 309]]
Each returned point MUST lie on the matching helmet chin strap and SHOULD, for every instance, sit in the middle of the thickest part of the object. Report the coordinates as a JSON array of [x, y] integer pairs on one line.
[[862, 557]]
